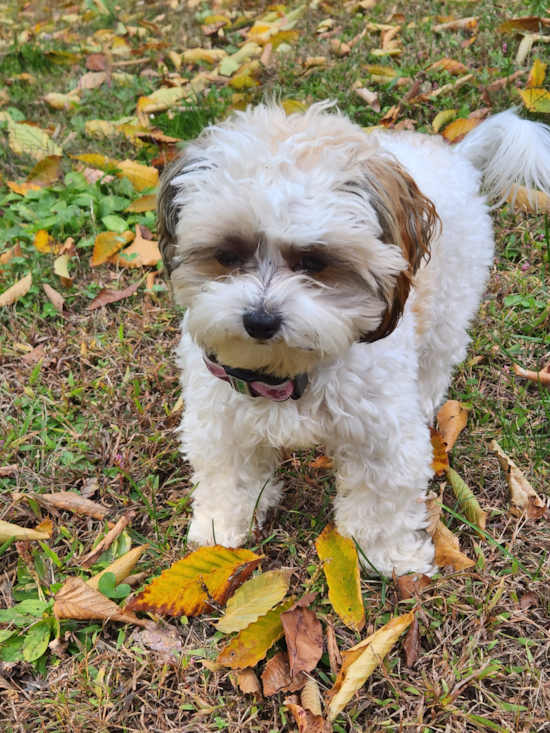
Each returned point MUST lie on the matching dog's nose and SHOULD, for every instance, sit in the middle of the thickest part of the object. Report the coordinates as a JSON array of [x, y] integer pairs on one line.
[[260, 324]]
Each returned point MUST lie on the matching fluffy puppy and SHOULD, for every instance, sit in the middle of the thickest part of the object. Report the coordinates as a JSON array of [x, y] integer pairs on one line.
[[329, 278]]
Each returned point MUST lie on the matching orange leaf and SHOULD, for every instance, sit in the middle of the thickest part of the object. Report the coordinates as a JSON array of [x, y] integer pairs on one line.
[[447, 549], [147, 251], [452, 419], [454, 67], [321, 462], [107, 244], [22, 188], [17, 290], [458, 129], [543, 376], [184, 588], [441, 460]]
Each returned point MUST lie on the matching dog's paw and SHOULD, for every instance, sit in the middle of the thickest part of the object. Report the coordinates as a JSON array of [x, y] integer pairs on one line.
[[206, 532]]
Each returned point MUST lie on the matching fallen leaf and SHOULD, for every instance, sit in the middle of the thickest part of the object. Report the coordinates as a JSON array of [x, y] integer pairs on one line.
[[185, 588], [8, 470], [523, 496], [76, 600], [34, 356], [447, 549], [140, 176], [97, 62], [55, 298], [212, 666], [458, 129], [145, 203], [8, 530], [411, 645], [72, 502], [536, 75], [5, 257], [29, 140], [339, 47], [411, 586], [524, 49], [121, 567], [453, 67], [100, 129], [88, 560], [17, 290], [99, 161], [504, 81], [254, 599], [23, 188], [441, 459], [61, 268], [536, 100], [92, 80], [311, 697], [277, 678], [391, 115], [463, 24], [530, 23], [306, 721], [147, 253], [45, 243], [361, 660], [442, 118], [252, 644], [321, 462], [249, 683], [466, 499], [542, 377], [304, 636], [452, 419], [371, 98], [107, 296], [341, 567], [107, 244], [62, 101], [335, 658], [162, 99], [166, 640], [527, 600], [46, 171]]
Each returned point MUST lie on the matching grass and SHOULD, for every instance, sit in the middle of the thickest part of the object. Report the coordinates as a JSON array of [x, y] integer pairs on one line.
[[101, 404]]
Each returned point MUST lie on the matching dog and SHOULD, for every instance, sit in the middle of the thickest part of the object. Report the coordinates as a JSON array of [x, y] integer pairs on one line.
[[329, 277]]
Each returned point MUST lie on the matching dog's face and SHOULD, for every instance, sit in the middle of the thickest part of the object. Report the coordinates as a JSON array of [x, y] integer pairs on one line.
[[289, 238]]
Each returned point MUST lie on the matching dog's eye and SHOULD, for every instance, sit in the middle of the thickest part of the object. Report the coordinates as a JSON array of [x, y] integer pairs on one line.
[[228, 259], [310, 263]]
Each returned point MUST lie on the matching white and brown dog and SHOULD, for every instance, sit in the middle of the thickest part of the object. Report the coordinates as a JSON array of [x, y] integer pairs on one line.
[[329, 278]]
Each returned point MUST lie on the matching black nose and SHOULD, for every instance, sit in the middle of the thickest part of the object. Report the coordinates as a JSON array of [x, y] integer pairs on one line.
[[260, 324]]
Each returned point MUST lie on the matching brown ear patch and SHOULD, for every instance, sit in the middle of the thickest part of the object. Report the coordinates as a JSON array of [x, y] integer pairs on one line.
[[408, 219]]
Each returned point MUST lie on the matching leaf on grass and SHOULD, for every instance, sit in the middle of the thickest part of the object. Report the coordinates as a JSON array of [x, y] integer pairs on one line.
[[463, 24], [140, 176], [412, 585], [459, 128], [321, 462], [334, 656], [62, 101], [452, 419], [55, 298], [248, 683], [107, 244], [31, 140], [146, 251], [45, 243], [360, 661], [339, 48], [92, 557], [304, 636], [145, 203], [277, 678], [536, 75], [341, 567], [504, 81], [75, 503], [23, 188], [97, 62], [252, 644], [76, 600], [46, 171], [61, 268], [536, 100], [523, 496], [442, 118], [165, 640], [543, 376], [411, 645], [528, 199], [453, 67], [17, 290], [371, 98], [254, 599], [100, 129], [210, 56], [441, 459], [5, 257], [7, 530], [92, 80], [36, 641], [530, 23], [107, 296], [121, 567], [162, 99], [184, 588], [447, 549], [98, 161], [377, 70], [466, 499], [306, 721]]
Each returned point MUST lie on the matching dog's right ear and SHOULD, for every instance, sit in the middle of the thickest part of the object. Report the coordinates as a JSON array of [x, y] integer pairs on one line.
[[168, 212]]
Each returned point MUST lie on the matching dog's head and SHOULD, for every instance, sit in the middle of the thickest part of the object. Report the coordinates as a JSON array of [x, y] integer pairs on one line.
[[290, 237]]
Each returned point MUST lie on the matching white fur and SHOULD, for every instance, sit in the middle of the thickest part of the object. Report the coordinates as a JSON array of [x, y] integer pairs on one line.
[[370, 404]]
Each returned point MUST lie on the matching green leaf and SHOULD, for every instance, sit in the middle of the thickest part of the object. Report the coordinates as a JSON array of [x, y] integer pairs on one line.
[[50, 553], [11, 650], [36, 641], [254, 599], [32, 607], [466, 499], [115, 223], [107, 586]]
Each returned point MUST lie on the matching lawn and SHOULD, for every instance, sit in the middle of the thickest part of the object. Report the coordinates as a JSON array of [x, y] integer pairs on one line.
[[90, 398]]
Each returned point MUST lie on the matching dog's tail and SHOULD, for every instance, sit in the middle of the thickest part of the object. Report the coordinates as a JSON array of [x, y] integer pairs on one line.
[[509, 151]]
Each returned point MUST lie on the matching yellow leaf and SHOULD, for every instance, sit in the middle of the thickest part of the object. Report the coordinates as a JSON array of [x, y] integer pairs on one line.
[[162, 99], [254, 599], [442, 118], [466, 499], [441, 459], [8, 530], [141, 176], [536, 75], [61, 268], [252, 644], [452, 419], [378, 70], [145, 203], [458, 129], [181, 590], [147, 251], [447, 549], [107, 244], [76, 600], [176, 59], [341, 568], [98, 161], [536, 100], [121, 568], [528, 199], [18, 290], [46, 171], [45, 243], [291, 106], [360, 661], [31, 140], [22, 188], [100, 129], [210, 56], [523, 496], [62, 101]]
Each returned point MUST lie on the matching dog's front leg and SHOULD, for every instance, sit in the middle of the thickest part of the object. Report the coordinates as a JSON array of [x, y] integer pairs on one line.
[[379, 502]]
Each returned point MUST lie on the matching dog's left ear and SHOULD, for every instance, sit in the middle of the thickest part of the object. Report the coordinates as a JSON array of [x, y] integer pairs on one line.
[[408, 220], [168, 212]]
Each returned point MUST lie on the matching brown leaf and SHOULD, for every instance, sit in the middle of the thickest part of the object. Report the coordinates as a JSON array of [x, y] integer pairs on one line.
[[8, 470], [433, 507], [76, 600], [452, 419], [410, 586], [277, 678], [107, 296], [523, 496], [371, 98], [411, 644], [92, 80], [440, 460], [504, 82], [528, 599], [531, 23], [311, 697], [543, 376], [334, 655], [304, 636], [97, 62], [306, 721], [88, 560], [46, 171], [55, 298], [453, 67], [147, 251], [321, 462], [447, 549], [391, 116], [17, 290], [249, 683], [339, 47], [165, 640], [74, 503]]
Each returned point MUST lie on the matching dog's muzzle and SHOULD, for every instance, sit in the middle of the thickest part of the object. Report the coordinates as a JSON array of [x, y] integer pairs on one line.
[[258, 384]]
